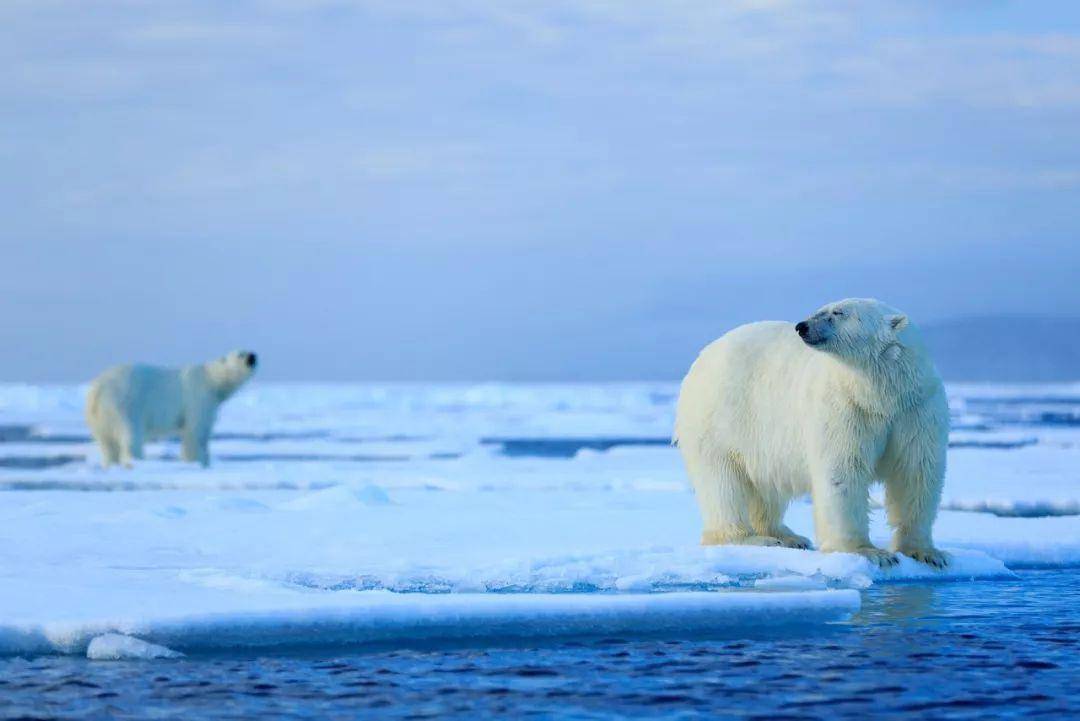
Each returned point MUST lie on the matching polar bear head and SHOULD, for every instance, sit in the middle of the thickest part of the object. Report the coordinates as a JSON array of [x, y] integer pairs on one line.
[[862, 331], [229, 372]]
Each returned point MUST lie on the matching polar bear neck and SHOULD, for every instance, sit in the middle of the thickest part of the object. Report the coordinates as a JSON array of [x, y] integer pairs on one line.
[[220, 385], [889, 383]]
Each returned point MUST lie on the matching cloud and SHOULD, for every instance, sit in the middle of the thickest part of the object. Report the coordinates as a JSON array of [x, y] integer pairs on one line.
[[888, 54], [542, 160], [1019, 72], [302, 164], [203, 33], [883, 54]]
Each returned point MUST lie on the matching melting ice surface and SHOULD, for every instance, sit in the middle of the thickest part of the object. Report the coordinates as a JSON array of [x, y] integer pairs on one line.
[[336, 516]]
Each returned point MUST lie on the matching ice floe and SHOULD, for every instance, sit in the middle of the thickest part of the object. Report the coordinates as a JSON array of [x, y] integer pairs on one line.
[[118, 647], [356, 514], [383, 617]]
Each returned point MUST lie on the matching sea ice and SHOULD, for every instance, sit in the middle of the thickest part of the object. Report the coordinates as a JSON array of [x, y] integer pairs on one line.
[[406, 619], [118, 647], [360, 513]]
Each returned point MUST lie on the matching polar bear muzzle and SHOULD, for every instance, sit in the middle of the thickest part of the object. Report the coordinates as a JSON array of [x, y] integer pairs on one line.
[[815, 331]]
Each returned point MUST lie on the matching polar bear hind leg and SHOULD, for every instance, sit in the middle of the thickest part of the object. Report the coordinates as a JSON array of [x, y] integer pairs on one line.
[[104, 435], [732, 510], [110, 450], [767, 518], [129, 441]]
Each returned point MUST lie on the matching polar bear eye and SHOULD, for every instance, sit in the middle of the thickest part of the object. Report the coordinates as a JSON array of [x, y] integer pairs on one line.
[[838, 312]]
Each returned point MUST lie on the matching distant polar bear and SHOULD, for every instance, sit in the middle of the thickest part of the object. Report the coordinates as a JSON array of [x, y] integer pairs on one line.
[[130, 404], [772, 410]]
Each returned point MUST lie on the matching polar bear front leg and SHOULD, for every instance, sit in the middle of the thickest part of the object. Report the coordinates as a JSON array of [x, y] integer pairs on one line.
[[194, 447], [841, 497], [195, 440]]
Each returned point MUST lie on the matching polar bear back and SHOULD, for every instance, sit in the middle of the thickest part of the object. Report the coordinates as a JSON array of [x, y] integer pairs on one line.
[[150, 396]]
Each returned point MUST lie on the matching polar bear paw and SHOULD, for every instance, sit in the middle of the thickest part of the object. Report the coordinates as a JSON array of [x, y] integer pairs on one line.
[[794, 540], [785, 540], [930, 556], [878, 556]]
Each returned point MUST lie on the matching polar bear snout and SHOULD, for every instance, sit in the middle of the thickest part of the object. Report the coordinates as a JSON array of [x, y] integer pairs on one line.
[[250, 359], [813, 334]]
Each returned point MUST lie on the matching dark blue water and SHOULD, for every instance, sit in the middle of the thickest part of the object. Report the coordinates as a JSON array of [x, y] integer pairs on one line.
[[964, 650]]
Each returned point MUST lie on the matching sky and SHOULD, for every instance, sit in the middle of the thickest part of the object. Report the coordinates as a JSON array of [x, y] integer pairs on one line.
[[476, 190]]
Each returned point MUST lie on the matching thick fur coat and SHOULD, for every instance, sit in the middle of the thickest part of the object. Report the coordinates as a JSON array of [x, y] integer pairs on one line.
[[774, 410], [130, 404]]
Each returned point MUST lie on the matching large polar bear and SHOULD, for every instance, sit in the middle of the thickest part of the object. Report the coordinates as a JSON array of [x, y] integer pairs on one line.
[[130, 404], [772, 410]]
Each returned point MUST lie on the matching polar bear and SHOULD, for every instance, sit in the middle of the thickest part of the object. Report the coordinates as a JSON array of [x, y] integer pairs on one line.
[[130, 404], [828, 406]]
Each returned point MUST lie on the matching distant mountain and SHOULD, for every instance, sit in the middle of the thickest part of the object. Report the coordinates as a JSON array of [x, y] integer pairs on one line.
[[1006, 348]]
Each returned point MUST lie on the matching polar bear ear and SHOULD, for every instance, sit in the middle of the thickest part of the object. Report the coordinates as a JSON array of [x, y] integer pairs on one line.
[[898, 322]]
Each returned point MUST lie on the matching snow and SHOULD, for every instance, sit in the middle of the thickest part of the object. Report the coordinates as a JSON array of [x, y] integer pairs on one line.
[[1036, 480], [354, 514]]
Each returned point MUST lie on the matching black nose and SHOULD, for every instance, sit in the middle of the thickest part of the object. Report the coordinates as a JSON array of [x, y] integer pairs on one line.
[[802, 328], [252, 359]]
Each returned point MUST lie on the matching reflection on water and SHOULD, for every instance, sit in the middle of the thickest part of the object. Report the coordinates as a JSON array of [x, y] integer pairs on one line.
[[899, 604]]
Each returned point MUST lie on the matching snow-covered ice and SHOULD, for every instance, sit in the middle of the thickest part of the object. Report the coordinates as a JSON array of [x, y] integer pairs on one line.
[[392, 513], [294, 619], [118, 647]]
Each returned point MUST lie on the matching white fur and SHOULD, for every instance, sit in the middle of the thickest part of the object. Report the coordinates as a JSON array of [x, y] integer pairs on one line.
[[130, 404], [763, 417]]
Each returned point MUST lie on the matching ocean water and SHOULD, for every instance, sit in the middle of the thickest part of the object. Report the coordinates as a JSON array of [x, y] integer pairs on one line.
[[1003, 649]]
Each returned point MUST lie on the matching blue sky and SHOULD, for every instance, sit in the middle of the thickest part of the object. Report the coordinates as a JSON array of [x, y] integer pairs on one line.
[[491, 189]]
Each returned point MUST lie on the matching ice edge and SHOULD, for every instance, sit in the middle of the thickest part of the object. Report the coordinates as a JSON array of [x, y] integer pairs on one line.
[[385, 617]]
